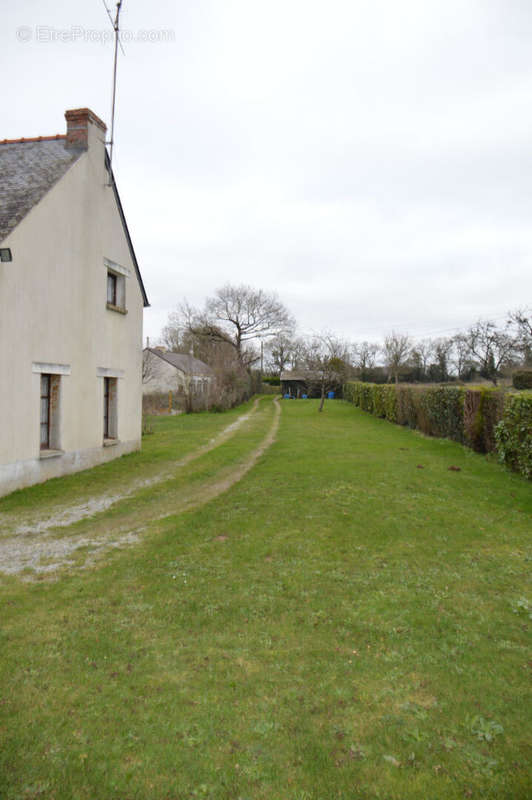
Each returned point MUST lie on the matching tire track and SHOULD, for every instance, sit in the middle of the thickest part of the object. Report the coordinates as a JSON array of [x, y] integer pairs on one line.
[[61, 517], [45, 553]]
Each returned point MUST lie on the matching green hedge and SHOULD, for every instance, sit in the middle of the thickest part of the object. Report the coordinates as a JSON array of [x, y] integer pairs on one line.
[[484, 419], [435, 411], [269, 388], [522, 379], [513, 434], [444, 411], [483, 410]]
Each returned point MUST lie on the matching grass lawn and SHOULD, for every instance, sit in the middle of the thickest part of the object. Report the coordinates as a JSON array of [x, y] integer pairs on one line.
[[351, 619], [176, 438]]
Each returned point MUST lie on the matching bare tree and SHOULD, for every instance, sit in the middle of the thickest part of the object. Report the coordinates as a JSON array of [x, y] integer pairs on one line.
[[396, 350], [364, 357], [281, 352], [232, 381], [173, 333], [327, 360], [460, 355], [178, 338], [149, 366], [439, 369], [520, 323], [237, 316], [299, 351], [420, 355], [491, 347]]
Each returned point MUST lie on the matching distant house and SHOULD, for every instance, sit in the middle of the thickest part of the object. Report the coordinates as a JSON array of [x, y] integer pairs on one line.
[[163, 371], [71, 305]]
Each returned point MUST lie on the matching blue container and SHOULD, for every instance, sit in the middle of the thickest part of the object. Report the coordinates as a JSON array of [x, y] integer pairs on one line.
[[287, 397], [330, 395], [304, 396]]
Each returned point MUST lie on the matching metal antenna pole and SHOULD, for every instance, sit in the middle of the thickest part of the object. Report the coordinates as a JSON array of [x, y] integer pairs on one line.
[[117, 41]]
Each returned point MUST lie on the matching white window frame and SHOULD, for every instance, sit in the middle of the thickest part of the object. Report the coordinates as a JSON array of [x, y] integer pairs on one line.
[[119, 274]]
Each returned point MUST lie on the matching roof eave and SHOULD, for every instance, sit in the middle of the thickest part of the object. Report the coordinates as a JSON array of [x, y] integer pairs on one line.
[[126, 231]]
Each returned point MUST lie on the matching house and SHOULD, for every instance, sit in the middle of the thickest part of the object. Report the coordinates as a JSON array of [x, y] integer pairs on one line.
[[71, 305], [164, 371]]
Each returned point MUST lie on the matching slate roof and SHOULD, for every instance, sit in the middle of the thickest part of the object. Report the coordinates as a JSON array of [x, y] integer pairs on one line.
[[28, 170], [183, 362]]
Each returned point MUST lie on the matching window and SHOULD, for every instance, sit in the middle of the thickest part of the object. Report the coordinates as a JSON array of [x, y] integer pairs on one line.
[[109, 409], [46, 384], [117, 274], [49, 420], [111, 288], [116, 292]]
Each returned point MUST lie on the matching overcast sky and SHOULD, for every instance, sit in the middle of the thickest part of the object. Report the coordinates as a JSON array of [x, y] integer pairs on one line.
[[369, 160]]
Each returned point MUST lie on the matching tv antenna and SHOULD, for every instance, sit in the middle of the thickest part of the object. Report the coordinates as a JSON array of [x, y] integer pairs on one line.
[[116, 27]]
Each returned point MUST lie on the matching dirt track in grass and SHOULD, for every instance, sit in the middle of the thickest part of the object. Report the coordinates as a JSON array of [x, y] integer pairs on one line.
[[35, 522], [44, 545]]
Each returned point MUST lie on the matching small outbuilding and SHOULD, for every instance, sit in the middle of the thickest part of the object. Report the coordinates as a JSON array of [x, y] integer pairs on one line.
[[308, 383], [298, 383]]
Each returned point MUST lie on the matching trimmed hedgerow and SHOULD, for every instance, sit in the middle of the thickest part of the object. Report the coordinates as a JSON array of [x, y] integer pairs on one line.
[[473, 421], [407, 406], [522, 379], [390, 403], [435, 411], [444, 410], [513, 434], [377, 398], [483, 409], [485, 419]]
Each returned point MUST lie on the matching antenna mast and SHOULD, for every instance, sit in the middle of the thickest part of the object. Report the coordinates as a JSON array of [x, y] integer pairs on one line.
[[117, 42]]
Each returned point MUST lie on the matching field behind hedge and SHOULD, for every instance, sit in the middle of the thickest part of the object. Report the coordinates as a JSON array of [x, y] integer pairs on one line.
[[351, 620]]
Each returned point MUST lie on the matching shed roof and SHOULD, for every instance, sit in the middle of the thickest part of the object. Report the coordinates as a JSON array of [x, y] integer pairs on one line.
[[299, 375], [183, 362]]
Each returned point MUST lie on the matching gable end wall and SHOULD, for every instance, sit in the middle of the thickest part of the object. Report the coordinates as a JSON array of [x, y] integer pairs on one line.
[[53, 310]]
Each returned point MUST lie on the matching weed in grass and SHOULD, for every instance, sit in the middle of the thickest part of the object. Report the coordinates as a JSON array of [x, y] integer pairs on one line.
[[484, 730], [522, 607]]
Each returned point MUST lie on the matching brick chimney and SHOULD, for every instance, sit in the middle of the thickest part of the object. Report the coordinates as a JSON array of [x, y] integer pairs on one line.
[[78, 121]]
